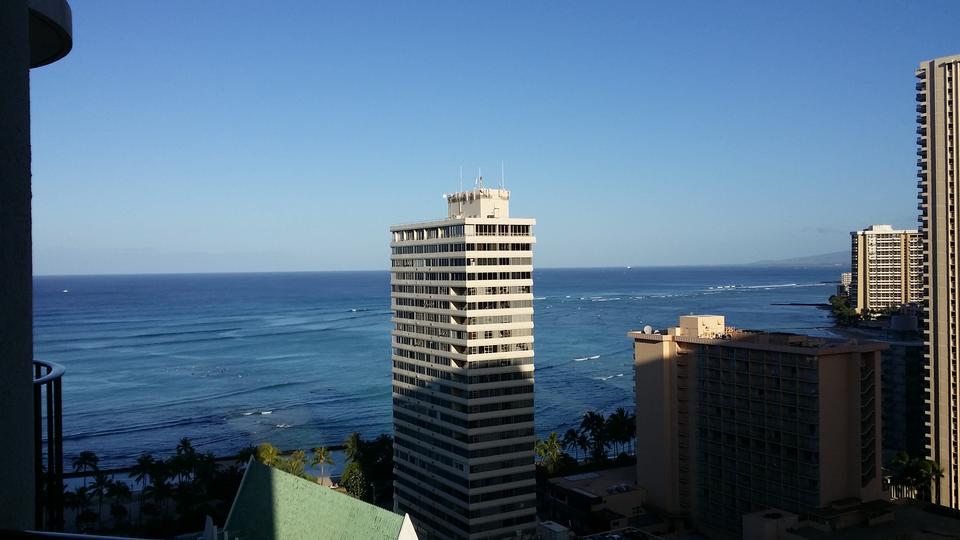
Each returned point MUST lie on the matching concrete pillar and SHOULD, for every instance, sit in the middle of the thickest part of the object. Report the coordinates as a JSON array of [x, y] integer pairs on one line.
[[16, 286]]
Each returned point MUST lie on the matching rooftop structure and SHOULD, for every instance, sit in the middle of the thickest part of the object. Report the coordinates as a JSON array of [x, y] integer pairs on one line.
[[597, 501], [272, 504], [732, 421]]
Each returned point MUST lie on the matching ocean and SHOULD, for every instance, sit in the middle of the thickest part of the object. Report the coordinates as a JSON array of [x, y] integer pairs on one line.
[[303, 359]]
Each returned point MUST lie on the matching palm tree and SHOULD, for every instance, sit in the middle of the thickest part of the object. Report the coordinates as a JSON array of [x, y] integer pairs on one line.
[[100, 486], [77, 500], [295, 463], [549, 451], [936, 473], [120, 493], [618, 427], [141, 473], [86, 461], [571, 442], [353, 447], [187, 455], [268, 454], [594, 426], [160, 488], [322, 457], [244, 455]]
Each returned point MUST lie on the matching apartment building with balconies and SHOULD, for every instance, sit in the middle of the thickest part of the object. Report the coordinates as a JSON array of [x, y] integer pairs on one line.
[[463, 374], [730, 421], [886, 268]]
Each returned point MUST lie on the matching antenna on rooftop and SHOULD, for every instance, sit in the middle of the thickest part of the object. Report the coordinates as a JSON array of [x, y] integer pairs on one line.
[[501, 175], [479, 182]]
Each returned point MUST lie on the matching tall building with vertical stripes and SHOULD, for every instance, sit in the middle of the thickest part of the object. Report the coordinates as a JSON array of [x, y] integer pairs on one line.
[[462, 300], [938, 96]]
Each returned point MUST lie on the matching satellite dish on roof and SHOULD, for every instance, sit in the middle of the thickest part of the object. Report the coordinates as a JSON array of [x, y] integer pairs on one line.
[[648, 329]]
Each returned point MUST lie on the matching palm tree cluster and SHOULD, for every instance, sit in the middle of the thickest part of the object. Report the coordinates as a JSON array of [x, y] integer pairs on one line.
[[916, 474], [175, 495], [597, 435], [102, 488], [368, 474], [595, 438], [296, 462]]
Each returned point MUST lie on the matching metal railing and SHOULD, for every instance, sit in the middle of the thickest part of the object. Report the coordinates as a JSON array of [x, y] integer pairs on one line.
[[48, 444]]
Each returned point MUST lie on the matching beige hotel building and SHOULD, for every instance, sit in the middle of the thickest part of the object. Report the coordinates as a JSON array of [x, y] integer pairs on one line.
[[462, 305], [886, 268], [938, 96], [730, 422]]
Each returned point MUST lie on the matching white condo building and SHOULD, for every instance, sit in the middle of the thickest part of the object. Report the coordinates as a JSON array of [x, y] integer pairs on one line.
[[462, 301]]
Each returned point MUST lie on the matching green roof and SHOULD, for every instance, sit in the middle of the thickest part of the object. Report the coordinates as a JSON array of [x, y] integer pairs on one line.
[[275, 504]]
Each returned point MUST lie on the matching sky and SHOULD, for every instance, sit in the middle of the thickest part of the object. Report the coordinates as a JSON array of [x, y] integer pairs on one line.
[[241, 136]]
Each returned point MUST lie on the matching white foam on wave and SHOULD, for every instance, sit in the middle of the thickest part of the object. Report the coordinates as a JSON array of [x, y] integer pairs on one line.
[[542, 297], [266, 412]]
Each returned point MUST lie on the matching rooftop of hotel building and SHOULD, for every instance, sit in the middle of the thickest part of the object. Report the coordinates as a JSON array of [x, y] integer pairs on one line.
[[712, 330]]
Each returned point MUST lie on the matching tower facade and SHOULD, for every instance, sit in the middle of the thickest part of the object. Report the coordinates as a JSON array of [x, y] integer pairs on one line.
[[938, 96], [887, 268], [462, 300]]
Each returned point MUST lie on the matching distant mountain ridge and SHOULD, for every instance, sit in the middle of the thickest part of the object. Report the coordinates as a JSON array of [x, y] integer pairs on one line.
[[836, 258]]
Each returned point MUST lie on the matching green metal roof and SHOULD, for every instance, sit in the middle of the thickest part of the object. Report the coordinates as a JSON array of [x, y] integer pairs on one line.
[[278, 505]]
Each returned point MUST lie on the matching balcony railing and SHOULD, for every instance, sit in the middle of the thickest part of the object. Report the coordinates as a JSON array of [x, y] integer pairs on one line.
[[48, 444]]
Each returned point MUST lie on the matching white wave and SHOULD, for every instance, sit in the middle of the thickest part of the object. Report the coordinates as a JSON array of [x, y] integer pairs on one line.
[[542, 297], [594, 357], [581, 359], [266, 412], [247, 413], [281, 426]]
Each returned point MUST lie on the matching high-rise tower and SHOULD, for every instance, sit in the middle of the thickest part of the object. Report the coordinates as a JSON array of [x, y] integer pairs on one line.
[[462, 303], [938, 96]]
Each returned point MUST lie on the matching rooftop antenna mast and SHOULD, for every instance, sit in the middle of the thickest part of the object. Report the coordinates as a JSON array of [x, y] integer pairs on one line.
[[502, 183], [479, 182]]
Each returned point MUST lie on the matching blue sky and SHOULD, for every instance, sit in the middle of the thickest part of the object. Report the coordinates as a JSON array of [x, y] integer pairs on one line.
[[183, 136]]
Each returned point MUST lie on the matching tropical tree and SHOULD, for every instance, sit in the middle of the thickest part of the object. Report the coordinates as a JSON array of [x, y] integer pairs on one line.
[[77, 500], [618, 428], [322, 457], [244, 455], [354, 481], [936, 473], [84, 462], [141, 474], [549, 451], [268, 454], [120, 493], [353, 447], [295, 464], [571, 442], [99, 486], [160, 488], [594, 426]]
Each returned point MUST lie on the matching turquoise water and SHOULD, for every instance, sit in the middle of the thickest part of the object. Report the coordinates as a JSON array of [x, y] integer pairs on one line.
[[302, 359]]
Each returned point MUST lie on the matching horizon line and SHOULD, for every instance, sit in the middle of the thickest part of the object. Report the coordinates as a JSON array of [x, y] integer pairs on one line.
[[759, 264]]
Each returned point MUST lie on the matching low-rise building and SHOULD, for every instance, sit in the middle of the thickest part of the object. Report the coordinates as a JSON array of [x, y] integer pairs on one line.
[[597, 501]]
